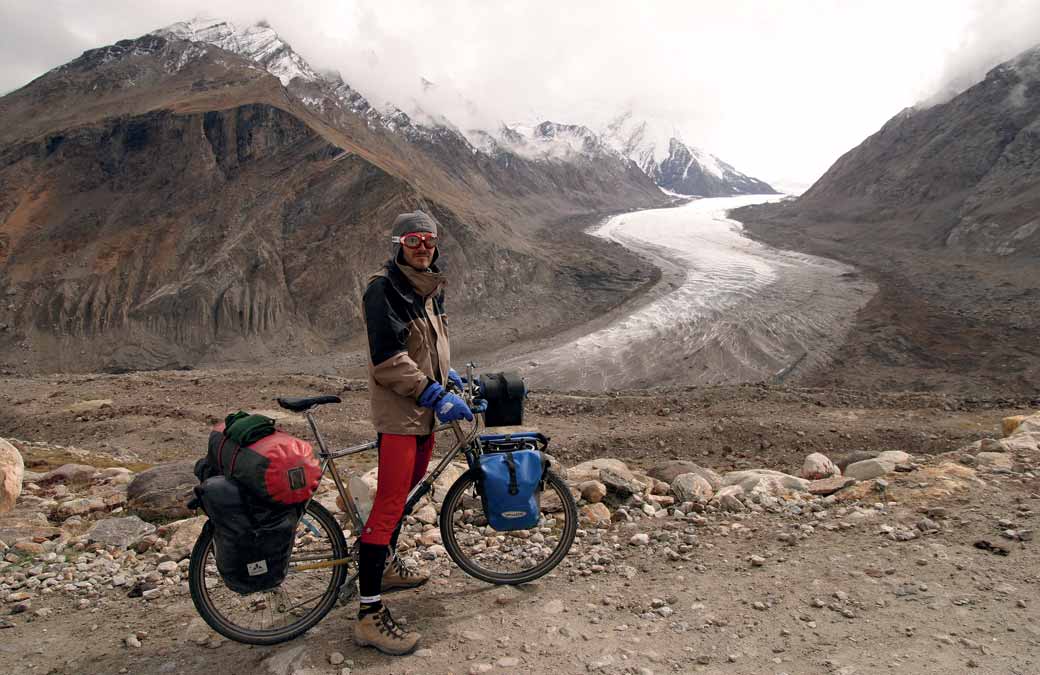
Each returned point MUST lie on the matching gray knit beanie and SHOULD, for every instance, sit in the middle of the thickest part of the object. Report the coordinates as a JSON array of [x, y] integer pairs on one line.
[[416, 221]]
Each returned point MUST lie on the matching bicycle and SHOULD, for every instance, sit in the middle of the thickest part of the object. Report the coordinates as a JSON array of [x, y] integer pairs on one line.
[[323, 566]]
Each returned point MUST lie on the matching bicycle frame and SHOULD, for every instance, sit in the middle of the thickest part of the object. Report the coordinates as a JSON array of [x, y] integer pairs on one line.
[[464, 441]]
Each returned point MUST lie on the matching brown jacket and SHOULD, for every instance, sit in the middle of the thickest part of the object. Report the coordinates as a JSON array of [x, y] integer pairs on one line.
[[407, 346]]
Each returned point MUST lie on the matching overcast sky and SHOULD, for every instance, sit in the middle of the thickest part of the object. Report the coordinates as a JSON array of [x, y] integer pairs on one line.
[[779, 89]]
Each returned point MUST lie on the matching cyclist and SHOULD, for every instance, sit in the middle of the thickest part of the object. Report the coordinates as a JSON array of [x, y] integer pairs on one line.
[[409, 368]]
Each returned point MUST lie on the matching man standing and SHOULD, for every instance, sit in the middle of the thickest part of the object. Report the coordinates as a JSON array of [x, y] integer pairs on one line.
[[409, 364]]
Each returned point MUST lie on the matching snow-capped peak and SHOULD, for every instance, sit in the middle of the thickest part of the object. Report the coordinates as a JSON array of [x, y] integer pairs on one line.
[[551, 140], [259, 43], [658, 148]]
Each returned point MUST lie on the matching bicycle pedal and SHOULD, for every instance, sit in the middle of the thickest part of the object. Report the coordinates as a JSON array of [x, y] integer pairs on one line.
[[348, 590]]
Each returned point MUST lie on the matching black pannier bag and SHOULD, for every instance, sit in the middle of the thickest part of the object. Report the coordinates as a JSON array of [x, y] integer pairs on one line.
[[252, 541], [505, 394]]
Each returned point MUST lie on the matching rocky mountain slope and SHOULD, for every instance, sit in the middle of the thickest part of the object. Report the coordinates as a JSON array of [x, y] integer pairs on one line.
[[203, 194], [939, 208], [963, 175], [674, 165]]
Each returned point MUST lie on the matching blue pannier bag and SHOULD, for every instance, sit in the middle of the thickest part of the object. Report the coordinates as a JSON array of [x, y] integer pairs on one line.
[[512, 487]]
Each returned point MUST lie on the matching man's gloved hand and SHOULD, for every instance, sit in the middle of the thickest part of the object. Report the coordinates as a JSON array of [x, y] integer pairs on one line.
[[456, 379], [447, 406]]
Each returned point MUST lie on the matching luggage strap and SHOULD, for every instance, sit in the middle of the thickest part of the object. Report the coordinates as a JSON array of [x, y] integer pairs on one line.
[[511, 464], [220, 453]]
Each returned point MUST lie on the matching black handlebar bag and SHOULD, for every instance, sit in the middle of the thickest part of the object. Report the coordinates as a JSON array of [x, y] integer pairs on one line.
[[505, 394]]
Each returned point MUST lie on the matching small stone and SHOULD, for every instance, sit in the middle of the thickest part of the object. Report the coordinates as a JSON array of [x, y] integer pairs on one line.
[[759, 605], [168, 567], [640, 539], [595, 514], [553, 607], [427, 515], [592, 491], [336, 658], [508, 662], [132, 641], [757, 560], [478, 668]]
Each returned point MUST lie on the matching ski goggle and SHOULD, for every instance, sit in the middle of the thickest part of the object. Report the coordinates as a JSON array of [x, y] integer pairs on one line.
[[416, 239]]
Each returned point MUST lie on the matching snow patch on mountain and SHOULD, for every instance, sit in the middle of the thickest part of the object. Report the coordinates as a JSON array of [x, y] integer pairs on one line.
[[258, 43], [660, 152], [550, 141]]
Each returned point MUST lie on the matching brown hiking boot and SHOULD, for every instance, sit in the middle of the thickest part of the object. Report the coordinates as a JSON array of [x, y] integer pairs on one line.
[[379, 630], [396, 576]]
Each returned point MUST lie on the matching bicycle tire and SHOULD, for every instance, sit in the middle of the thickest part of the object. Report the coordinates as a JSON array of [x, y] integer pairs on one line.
[[201, 598], [451, 545]]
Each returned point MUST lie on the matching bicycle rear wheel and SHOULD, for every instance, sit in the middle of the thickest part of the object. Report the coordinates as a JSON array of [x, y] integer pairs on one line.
[[285, 612], [507, 557]]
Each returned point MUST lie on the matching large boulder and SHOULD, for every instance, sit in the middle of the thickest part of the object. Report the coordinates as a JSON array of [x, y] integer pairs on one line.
[[162, 492], [1024, 443], [691, 487], [853, 457], [593, 491], [828, 486], [119, 532], [182, 535], [868, 468], [728, 498], [619, 485], [670, 470], [893, 457], [595, 514], [26, 524], [765, 481], [12, 470], [590, 470], [69, 473], [817, 466], [994, 460], [1010, 424], [1030, 425]]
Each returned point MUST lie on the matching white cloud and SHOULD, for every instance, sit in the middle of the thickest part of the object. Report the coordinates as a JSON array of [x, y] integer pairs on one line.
[[779, 90]]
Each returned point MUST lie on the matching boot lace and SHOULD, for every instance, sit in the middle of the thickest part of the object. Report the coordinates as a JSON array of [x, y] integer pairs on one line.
[[388, 626], [401, 569]]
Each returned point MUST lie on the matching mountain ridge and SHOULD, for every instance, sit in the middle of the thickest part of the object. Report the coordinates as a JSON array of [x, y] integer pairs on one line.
[[167, 203]]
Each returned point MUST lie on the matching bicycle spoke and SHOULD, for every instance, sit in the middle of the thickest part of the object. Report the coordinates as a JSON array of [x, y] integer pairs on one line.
[[280, 613], [501, 556]]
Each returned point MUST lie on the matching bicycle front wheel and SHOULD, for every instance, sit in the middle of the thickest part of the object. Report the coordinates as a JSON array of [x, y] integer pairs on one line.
[[515, 557], [307, 594]]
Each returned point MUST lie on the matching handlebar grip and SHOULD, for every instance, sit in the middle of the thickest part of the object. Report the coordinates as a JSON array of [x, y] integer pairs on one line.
[[479, 405]]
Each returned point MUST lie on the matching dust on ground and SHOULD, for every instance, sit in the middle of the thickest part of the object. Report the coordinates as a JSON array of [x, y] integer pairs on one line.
[[840, 596]]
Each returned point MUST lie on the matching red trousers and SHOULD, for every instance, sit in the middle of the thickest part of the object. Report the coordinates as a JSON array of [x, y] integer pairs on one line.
[[402, 464]]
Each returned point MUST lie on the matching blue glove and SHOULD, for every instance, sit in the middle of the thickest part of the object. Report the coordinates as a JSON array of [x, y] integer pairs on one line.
[[456, 379], [448, 407]]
